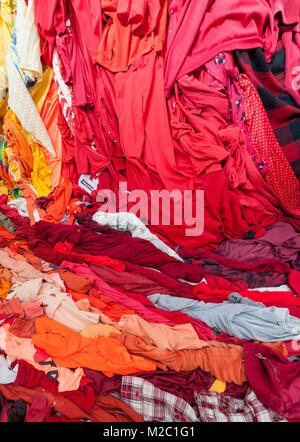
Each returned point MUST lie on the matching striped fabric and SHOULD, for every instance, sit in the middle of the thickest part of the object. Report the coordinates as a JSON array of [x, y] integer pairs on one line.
[[214, 407], [153, 403]]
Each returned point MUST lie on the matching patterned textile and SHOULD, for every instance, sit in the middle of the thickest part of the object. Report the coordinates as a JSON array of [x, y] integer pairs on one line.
[[215, 407], [252, 279], [28, 42], [280, 176], [153, 403], [21, 103], [282, 110]]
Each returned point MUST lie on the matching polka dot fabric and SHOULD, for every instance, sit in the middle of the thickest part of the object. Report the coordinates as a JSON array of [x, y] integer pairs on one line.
[[280, 176]]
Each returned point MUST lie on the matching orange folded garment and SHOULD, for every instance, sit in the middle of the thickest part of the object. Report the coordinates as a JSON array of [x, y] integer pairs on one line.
[[225, 364], [75, 282], [18, 144], [70, 349]]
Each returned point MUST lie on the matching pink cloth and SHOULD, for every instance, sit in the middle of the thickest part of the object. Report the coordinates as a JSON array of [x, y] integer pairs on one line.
[[117, 294], [32, 309]]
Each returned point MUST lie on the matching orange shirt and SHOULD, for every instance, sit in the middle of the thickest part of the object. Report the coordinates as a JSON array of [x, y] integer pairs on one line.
[[69, 349]]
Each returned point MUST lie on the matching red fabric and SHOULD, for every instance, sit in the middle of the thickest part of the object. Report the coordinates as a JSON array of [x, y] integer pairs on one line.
[[8, 318], [294, 281], [66, 248], [205, 293], [217, 282], [44, 20], [74, 66], [280, 175], [60, 418], [39, 409], [274, 379], [30, 377], [198, 31], [123, 247]]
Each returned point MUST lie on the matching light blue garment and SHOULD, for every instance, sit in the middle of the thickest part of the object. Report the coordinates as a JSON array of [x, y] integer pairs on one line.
[[239, 317], [7, 374]]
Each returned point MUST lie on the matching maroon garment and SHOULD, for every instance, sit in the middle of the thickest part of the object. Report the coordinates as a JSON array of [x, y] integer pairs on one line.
[[39, 410], [129, 281], [178, 288], [102, 384], [12, 213], [27, 376], [274, 379], [280, 241], [181, 384], [4, 405], [135, 250], [259, 266], [184, 384], [61, 418], [294, 281], [84, 219], [43, 250]]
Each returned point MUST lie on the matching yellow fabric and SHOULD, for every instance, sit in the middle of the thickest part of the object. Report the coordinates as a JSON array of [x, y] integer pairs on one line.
[[40, 90], [218, 386], [14, 166], [8, 8], [41, 173], [3, 188]]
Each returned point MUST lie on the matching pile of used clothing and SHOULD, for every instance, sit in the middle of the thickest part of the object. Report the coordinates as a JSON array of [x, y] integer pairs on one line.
[[118, 315]]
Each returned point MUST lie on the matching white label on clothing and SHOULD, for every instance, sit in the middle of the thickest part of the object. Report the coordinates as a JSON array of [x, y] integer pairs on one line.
[[88, 184]]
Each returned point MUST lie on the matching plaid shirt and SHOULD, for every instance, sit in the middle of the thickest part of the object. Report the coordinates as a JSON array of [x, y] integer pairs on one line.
[[252, 279], [153, 403], [215, 407]]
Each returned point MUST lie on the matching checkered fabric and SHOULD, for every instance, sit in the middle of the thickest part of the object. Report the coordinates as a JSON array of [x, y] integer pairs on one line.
[[153, 403], [215, 407], [282, 110]]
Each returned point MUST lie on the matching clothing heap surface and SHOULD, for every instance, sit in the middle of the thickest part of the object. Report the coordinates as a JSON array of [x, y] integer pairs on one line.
[[117, 315]]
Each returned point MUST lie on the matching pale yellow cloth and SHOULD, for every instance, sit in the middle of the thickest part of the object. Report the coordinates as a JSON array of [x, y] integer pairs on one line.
[[28, 41], [95, 330]]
